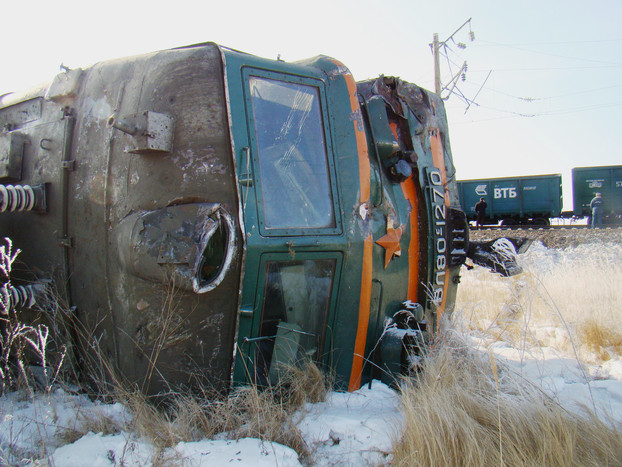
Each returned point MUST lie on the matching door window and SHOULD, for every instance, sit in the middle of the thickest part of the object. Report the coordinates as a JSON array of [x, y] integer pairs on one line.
[[294, 314]]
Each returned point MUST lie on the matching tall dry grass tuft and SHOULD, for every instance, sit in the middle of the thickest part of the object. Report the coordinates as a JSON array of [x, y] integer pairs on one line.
[[464, 409], [599, 338], [305, 383]]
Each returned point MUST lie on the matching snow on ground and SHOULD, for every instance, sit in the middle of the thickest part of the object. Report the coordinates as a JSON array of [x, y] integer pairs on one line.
[[572, 384], [123, 449], [348, 429], [353, 428]]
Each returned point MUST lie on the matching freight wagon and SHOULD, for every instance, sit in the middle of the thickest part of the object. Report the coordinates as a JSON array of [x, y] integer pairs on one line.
[[209, 216], [607, 180], [530, 200]]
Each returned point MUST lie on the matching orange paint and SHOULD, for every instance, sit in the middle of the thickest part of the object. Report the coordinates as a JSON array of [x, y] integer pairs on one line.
[[391, 243], [408, 188], [410, 193], [364, 307], [361, 139], [368, 243]]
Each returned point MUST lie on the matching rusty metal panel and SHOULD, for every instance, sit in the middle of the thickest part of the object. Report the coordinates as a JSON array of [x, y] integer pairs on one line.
[[15, 116], [166, 195], [118, 179], [11, 156], [152, 132]]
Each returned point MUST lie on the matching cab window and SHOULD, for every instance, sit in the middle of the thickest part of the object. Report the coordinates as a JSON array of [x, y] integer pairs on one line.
[[291, 154]]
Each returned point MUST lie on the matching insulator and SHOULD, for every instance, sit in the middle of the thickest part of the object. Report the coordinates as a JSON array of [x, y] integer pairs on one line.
[[17, 198], [25, 296]]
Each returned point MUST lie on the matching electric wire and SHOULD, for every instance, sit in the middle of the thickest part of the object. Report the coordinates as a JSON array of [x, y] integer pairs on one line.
[[550, 54], [513, 114], [557, 96]]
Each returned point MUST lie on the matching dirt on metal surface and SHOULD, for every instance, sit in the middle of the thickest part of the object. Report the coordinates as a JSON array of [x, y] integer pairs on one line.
[[554, 238]]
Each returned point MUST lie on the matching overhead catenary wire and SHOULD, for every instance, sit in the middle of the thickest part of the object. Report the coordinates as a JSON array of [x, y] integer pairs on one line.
[[480, 89], [557, 96], [594, 41], [512, 114], [549, 54], [451, 59], [532, 99]]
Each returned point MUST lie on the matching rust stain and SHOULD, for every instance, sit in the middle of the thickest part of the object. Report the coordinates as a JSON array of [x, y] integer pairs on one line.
[[410, 194]]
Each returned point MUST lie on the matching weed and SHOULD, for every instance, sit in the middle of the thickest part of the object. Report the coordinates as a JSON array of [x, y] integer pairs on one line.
[[465, 409], [21, 343]]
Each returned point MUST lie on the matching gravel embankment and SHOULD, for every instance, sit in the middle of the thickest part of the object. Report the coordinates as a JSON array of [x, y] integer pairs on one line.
[[554, 238]]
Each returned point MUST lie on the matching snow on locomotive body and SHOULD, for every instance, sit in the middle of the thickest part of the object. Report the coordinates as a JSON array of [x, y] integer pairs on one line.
[[211, 217]]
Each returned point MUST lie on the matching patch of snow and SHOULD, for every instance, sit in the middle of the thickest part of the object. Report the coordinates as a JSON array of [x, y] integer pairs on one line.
[[353, 428], [246, 451]]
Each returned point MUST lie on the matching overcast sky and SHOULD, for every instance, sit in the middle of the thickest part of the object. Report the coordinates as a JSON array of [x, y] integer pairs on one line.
[[552, 100]]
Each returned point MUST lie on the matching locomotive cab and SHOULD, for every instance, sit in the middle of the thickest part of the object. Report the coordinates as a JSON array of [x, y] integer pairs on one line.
[[213, 217], [348, 194]]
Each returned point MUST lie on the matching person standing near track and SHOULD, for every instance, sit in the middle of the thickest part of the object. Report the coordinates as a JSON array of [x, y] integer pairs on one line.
[[596, 205], [480, 209]]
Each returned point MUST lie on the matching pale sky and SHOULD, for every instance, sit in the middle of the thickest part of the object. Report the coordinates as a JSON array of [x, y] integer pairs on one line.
[[552, 100]]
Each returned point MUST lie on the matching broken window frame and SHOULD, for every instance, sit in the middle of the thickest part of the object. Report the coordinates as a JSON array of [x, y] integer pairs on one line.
[[265, 230], [323, 354]]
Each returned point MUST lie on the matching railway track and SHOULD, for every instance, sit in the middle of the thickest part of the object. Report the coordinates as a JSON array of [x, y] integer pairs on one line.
[[548, 227], [553, 236]]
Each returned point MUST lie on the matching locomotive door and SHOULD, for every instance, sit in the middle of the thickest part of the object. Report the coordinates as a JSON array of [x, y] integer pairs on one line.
[[292, 221]]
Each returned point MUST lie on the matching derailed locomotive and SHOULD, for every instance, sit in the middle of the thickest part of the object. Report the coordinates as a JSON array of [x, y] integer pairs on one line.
[[212, 217]]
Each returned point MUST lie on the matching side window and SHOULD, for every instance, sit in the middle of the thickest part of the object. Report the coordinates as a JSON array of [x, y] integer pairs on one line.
[[295, 309], [294, 171]]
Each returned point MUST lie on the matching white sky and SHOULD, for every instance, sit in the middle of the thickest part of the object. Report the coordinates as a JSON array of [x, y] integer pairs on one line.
[[564, 56]]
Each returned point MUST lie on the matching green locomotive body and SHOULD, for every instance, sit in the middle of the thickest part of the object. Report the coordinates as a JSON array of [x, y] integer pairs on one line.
[[212, 217]]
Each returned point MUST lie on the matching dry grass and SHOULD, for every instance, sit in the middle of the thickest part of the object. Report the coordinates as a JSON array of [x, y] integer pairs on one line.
[[248, 411], [264, 413], [603, 340], [466, 410], [90, 422], [576, 291]]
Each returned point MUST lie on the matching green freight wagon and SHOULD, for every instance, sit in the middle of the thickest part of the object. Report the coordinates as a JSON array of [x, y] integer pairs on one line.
[[606, 180], [211, 217], [530, 200]]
